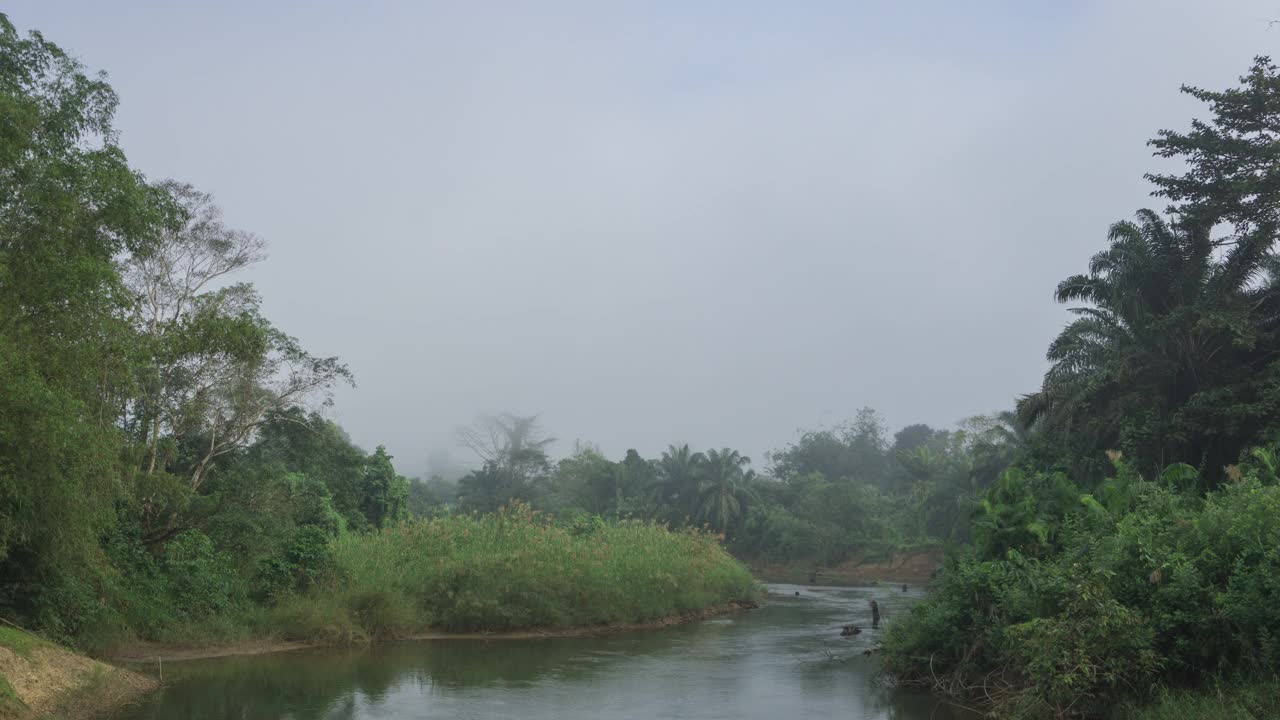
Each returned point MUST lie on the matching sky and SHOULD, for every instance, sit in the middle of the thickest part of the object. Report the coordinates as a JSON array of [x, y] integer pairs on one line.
[[665, 222]]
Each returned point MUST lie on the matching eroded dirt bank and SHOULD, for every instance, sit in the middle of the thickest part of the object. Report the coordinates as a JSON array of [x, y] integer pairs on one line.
[[915, 567]]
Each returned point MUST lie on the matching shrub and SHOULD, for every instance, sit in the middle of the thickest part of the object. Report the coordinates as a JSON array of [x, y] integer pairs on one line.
[[200, 578], [1152, 584]]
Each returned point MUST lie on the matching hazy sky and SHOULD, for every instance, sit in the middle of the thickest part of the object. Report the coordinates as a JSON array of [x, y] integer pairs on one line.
[[711, 222]]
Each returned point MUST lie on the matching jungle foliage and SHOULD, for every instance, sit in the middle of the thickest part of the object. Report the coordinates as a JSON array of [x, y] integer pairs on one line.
[[1131, 555]]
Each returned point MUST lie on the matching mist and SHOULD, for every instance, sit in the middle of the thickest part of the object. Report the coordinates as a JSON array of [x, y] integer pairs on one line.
[[661, 224]]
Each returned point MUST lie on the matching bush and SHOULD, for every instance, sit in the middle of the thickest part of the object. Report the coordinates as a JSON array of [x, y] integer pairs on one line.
[[382, 614], [306, 562], [313, 619], [200, 578], [1153, 584], [310, 556]]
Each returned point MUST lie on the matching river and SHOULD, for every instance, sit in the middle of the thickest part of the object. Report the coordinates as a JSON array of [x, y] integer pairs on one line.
[[784, 660]]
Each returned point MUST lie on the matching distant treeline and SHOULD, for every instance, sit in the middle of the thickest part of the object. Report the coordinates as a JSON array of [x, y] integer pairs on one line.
[[832, 494]]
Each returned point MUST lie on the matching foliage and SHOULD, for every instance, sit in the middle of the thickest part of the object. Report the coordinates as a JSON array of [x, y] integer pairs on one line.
[[69, 204], [384, 494], [517, 568], [200, 577], [1171, 357], [1162, 584], [1087, 584], [1249, 698]]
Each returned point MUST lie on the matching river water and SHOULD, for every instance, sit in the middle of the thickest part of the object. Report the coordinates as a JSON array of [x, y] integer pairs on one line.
[[785, 660]]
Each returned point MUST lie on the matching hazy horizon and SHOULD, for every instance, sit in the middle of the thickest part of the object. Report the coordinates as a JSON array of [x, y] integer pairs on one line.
[[661, 224]]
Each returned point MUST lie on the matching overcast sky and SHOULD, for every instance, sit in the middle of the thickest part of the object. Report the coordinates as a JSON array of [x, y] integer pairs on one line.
[[711, 223]]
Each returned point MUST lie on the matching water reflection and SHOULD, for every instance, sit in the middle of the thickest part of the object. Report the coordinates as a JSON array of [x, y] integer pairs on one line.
[[785, 660]]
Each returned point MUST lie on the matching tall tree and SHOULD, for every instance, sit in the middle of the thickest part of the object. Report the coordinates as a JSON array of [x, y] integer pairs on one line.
[[69, 206], [515, 443], [725, 488], [384, 494], [679, 473], [1233, 173], [186, 331], [217, 370], [1172, 358]]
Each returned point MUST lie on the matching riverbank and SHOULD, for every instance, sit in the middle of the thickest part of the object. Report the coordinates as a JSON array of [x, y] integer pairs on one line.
[[39, 679], [913, 567], [780, 660], [142, 653], [1244, 699]]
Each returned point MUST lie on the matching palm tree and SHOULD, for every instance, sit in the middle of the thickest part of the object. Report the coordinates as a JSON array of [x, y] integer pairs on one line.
[[679, 471], [1166, 358], [997, 442], [724, 489]]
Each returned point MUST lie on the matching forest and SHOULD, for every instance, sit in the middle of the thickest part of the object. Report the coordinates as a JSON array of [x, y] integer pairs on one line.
[[169, 468]]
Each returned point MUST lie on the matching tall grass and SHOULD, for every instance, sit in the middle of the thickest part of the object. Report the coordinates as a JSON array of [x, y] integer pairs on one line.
[[1256, 698], [512, 570]]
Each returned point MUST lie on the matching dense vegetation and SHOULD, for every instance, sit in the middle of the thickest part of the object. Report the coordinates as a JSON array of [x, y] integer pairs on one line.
[[831, 495], [516, 569], [164, 470], [1135, 547]]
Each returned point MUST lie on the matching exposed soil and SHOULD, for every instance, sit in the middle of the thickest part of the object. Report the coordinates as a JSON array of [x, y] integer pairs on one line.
[[151, 653], [51, 681], [915, 567]]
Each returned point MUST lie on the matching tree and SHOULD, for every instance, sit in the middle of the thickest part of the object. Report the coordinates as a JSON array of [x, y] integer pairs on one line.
[[995, 441], [489, 488], [911, 437], [69, 206], [170, 283], [217, 369], [1171, 358], [1233, 175], [384, 495], [678, 478], [513, 442], [854, 450], [724, 488], [318, 448], [586, 480]]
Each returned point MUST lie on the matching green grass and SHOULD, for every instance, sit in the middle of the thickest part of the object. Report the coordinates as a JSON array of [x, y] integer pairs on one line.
[[18, 641], [510, 571], [1253, 699], [6, 691], [10, 705]]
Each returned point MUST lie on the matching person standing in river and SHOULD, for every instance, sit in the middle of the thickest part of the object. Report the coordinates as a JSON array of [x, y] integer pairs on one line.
[[875, 614]]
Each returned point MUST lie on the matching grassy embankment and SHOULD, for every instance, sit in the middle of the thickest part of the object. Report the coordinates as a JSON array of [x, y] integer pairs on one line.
[[511, 571], [39, 679], [493, 573]]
